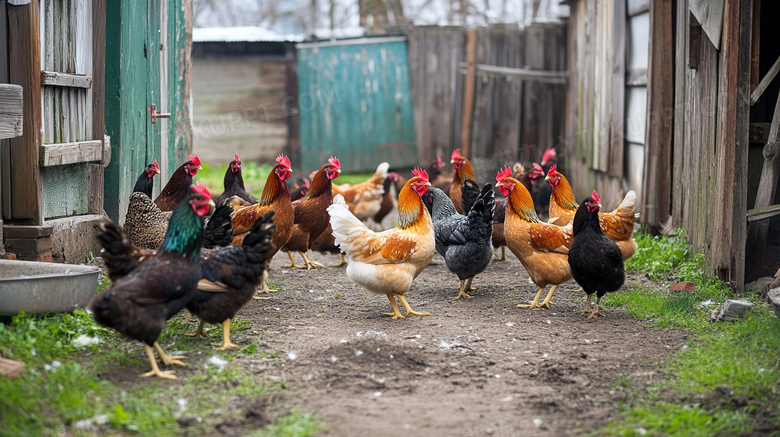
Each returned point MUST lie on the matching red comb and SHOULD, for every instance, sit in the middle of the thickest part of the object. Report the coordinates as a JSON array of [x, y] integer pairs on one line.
[[155, 165], [283, 160], [503, 173], [438, 159], [595, 196], [199, 188], [549, 154], [538, 168], [235, 158], [420, 173], [307, 183], [456, 154], [194, 159], [393, 176], [552, 170], [334, 162]]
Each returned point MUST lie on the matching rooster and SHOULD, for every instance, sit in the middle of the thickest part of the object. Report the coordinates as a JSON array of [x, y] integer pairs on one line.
[[326, 242], [139, 304], [387, 262], [542, 248], [275, 197], [234, 183], [365, 199], [178, 185], [463, 241], [230, 276], [541, 191], [596, 261], [311, 217], [525, 178], [145, 224], [618, 225], [464, 189]]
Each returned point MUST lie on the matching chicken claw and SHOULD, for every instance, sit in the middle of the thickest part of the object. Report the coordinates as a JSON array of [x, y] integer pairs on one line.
[[292, 264], [409, 309], [587, 308], [396, 314], [168, 374], [265, 288], [169, 359], [226, 343], [200, 332], [462, 289]]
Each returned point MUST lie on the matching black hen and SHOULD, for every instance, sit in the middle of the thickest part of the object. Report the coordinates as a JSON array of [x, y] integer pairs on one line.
[[219, 229], [463, 241], [139, 304], [230, 277], [596, 261], [145, 181], [234, 183]]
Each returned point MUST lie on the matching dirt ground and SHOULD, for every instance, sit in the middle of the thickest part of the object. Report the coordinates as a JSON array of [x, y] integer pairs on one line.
[[475, 367]]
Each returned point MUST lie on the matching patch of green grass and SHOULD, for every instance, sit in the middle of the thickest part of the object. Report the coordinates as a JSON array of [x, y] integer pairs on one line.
[[296, 424], [743, 355], [354, 178], [61, 384]]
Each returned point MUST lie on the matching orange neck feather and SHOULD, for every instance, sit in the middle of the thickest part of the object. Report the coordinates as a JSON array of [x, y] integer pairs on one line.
[[320, 184], [521, 202], [466, 171], [564, 195], [274, 188], [410, 206]]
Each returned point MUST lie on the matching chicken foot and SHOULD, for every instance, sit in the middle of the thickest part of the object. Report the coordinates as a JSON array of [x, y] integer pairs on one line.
[[462, 290], [596, 313], [168, 374], [396, 314], [340, 263], [536, 305], [200, 332], [226, 343], [503, 254], [292, 264], [309, 263], [168, 359], [408, 308], [314, 264], [587, 307], [265, 288]]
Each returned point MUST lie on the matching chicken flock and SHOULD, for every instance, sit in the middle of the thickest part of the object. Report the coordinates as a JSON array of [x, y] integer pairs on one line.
[[186, 251]]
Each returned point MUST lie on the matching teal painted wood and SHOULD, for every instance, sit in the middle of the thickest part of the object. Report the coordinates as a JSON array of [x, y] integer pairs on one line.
[[355, 103]]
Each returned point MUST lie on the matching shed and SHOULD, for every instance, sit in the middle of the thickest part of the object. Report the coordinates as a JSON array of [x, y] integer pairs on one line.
[[241, 77], [689, 119]]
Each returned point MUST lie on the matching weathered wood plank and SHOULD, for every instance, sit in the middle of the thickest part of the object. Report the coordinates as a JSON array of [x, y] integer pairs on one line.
[[71, 153], [98, 75], [728, 249], [95, 190], [758, 214], [710, 15], [25, 63], [617, 60], [636, 7], [755, 46], [656, 197], [636, 77], [770, 75], [468, 93], [542, 76], [11, 111], [680, 85], [52, 78]]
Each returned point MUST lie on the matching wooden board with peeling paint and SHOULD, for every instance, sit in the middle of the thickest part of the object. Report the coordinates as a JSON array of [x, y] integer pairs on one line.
[[355, 102]]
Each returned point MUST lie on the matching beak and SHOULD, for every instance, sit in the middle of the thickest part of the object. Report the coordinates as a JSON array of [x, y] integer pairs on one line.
[[500, 184], [212, 205], [156, 171], [599, 205], [428, 184], [200, 168], [547, 178], [338, 170], [452, 161]]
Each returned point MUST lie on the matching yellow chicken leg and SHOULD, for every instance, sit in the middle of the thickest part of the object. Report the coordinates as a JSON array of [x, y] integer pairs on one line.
[[548, 300], [469, 287], [313, 263], [462, 290], [265, 288], [503, 254], [226, 343], [168, 374], [596, 313], [168, 359], [396, 314], [200, 332], [292, 264], [340, 263], [587, 307], [309, 263], [533, 303], [408, 308]]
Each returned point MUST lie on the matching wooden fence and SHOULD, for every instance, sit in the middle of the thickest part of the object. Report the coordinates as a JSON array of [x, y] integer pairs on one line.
[[509, 106]]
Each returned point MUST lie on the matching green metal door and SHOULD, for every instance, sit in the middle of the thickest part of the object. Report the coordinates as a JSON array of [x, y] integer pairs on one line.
[[355, 102], [144, 63]]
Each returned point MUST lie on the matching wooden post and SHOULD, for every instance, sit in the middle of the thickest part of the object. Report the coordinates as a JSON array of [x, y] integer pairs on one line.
[[97, 171], [291, 102], [656, 197], [618, 89], [25, 69], [468, 94], [733, 118]]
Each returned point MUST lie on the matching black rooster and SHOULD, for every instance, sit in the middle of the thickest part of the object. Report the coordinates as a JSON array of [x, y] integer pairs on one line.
[[139, 304], [596, 261], [234, 183]]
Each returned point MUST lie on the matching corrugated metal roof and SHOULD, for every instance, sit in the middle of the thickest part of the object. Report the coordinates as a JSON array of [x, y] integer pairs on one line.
[[240, 34]]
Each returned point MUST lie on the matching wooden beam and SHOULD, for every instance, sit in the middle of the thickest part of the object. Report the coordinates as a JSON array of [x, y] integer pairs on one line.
[[25, 66], [468, 93], [759, 132], [758, 214], [731, 146], [755, 46], [545, 76], [71, 153], [765, 82], [97, 172], [52, 78], [11, 113], [636, 77], [636, 7], [616, 56]]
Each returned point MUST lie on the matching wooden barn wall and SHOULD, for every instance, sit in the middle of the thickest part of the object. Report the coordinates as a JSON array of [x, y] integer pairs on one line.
[[66, 47], [514, 119], [596, 102], [435, 56]]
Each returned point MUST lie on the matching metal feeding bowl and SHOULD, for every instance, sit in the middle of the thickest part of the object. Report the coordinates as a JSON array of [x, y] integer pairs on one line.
[[40, 287]]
